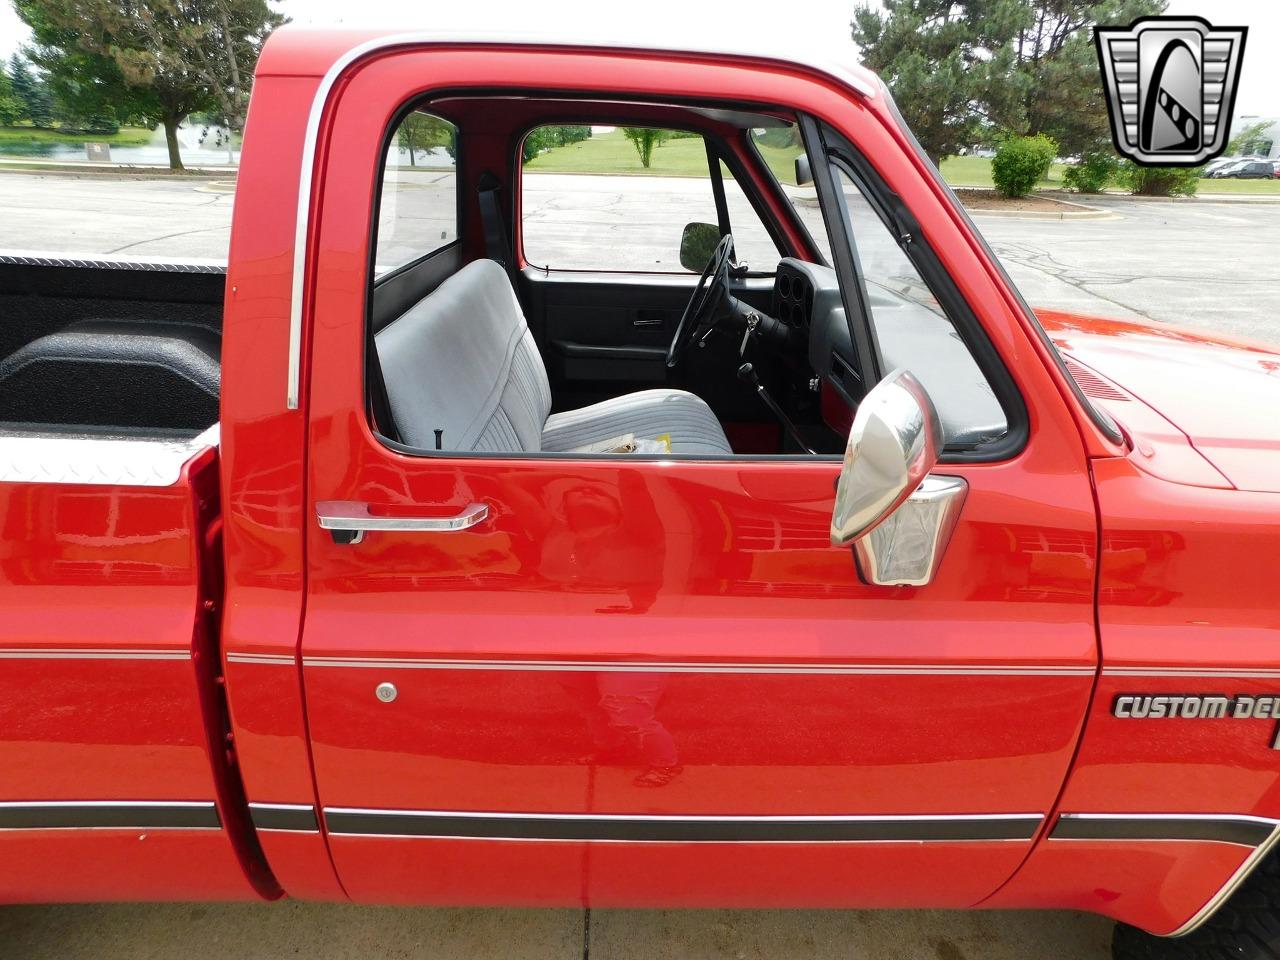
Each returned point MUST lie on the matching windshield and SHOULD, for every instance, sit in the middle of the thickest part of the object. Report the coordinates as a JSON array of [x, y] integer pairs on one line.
[[1099, 416]]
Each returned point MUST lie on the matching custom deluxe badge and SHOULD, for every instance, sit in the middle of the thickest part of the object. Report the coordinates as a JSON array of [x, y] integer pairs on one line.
[[1198, 707]]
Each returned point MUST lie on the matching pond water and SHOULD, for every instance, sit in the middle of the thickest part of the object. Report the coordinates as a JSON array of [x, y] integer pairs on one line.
[[198, 145]]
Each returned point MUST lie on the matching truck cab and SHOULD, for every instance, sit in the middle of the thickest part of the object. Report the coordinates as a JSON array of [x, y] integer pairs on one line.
[[739, 538]]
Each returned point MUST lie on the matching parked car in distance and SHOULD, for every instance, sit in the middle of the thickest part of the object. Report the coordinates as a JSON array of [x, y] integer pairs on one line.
[[1254, 170], [1237, 165], [1213, 166]]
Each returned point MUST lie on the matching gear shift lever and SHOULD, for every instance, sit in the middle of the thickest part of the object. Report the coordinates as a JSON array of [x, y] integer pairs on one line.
[[747, 374]]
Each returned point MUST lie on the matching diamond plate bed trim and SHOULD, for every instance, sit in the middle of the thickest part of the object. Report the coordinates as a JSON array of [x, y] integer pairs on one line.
[[35, 258], [98, 461]]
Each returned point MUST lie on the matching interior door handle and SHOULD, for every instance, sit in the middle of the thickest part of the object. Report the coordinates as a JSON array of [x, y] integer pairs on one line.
[[649, 318], [349, 520]]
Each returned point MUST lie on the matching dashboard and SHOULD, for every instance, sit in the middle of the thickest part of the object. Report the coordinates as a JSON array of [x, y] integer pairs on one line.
[[910, 331]]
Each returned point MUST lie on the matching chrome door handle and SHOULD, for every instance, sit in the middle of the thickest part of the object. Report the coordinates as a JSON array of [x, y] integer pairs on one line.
[[349, 520]]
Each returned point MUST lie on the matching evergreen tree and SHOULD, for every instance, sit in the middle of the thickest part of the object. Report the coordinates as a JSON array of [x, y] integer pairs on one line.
[[977, 70], [22, 85]]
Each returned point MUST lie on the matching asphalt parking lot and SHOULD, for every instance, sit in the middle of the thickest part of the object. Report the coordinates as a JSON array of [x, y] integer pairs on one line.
[[1199, 263]]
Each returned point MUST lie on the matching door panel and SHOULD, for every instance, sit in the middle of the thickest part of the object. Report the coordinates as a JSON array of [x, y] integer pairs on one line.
[[679, 641]]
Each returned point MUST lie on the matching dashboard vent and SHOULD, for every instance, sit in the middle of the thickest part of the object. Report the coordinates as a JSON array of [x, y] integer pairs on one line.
[[1092, 384]]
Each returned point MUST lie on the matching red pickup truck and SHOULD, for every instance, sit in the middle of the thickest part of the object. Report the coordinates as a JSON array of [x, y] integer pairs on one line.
[[488, 542]]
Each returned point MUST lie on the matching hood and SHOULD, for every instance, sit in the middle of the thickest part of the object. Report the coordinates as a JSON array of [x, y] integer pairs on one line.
[[1221, 392]]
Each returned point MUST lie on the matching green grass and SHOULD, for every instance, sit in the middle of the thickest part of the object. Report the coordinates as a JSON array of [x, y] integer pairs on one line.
[[127, 137], [976, 172], [1240, 186], [613, 153]]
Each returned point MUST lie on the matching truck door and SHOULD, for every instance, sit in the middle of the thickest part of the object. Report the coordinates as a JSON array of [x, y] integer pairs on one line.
[[616, 680]]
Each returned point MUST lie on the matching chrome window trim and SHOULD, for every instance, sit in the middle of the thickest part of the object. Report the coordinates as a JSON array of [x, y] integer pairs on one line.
[[306, 179], [98, 461]]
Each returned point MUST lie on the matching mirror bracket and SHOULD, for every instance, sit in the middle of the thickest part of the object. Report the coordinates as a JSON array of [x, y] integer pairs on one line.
[[906, 548]]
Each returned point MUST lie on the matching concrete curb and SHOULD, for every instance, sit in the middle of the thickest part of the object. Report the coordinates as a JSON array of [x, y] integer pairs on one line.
[[223, 187], [124, 171], [1200, 198], [1079, 211]]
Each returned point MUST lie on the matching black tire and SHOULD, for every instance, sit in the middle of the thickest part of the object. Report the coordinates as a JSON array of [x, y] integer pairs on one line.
[[1246, 927]]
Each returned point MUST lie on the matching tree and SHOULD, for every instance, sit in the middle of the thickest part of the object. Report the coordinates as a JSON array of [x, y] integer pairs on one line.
[[1250, 140], [564, 135], [29, 90], [11, 107], [947, 63], [422, 131], [1056, 75], [976, 70], [645, 139], [193, 54], [21, 86], [88, 89]]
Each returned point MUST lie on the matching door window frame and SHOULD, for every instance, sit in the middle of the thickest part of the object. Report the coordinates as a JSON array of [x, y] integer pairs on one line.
[[821, 140]]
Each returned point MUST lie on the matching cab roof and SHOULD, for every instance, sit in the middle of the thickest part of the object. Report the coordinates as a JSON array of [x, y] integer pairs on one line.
[[321, 51]]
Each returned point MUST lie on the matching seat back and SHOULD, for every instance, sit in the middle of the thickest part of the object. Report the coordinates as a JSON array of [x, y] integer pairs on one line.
[[462, 361]]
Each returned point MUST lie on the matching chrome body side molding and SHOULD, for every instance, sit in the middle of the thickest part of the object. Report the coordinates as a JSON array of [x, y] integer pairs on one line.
[[110, 815], [640, 828]]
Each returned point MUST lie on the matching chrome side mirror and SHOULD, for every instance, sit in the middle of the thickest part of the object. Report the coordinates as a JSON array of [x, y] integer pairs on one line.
[[898, 518]]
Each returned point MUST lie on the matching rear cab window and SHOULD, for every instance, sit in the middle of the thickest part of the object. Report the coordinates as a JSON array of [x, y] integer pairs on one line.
[[418, 205], [618, 199]]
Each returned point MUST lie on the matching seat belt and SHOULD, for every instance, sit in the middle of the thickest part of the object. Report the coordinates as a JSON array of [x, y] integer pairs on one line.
[[496, 244]]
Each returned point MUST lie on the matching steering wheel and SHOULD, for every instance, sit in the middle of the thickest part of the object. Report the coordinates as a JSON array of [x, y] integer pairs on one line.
[[709, 295]]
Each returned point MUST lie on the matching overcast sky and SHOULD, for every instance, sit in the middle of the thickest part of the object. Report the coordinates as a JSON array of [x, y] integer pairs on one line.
[[819, 25]]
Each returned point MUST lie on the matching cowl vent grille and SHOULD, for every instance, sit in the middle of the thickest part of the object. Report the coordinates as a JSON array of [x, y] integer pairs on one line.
[[1092, 384]]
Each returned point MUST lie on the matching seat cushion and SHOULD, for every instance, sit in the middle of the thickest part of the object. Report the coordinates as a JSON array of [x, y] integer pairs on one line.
[[649, 414]]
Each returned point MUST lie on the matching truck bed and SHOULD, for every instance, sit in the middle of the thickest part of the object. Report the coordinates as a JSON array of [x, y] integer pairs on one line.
[[112, 348]]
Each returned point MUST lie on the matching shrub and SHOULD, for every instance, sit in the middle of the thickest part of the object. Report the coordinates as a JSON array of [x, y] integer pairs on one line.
[[1160, 181], [1021, 162], [1093, 172]]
